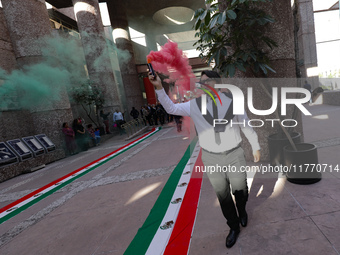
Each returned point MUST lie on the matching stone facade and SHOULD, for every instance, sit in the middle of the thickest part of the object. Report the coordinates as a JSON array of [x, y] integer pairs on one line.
[[24, 26], [27, 23], [8, 61]]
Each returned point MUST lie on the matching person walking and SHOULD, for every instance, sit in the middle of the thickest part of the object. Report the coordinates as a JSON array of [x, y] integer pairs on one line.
[[154, 114], [144, 114], [309, 88], [178, 120], [149, 115], [220, 146], [160, 112]]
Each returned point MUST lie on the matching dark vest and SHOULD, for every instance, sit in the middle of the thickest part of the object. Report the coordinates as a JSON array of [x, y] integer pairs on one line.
[[210, 119]]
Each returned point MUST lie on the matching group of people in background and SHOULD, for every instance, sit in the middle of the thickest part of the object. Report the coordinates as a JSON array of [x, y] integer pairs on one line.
[[118, 120], [78, 137], [155, 114]]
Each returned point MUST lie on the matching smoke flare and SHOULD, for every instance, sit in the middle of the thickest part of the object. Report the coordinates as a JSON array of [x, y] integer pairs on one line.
[[171, 61]]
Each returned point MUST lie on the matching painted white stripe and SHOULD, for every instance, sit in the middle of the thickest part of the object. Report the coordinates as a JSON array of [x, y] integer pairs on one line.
[[28, 200], [162, 236]]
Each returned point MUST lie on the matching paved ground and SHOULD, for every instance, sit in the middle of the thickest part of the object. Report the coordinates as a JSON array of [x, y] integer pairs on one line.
[[101, 212]]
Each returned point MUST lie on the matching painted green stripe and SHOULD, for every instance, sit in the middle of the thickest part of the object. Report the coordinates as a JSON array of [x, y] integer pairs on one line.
[[145, 234], [37, 199]]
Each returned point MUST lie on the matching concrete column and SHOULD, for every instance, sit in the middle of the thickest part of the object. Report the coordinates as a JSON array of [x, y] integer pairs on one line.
[[306, 39], [151, 43], [128, 68], [282, 60], [28, 23], [95, 48]]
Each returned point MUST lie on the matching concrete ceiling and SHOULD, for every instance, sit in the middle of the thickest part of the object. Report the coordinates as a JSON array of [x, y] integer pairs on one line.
[[324, 5], [60, 3], [139, 7], [140, 17], [140, 12]]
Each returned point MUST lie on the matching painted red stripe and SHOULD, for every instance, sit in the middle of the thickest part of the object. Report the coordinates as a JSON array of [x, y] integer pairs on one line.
[[181, 234], [66, 176]]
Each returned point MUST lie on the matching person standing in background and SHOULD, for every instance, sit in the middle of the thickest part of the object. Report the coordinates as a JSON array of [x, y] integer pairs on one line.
[[134, 113], [106, 121], [80, 135], [95, 137], [119, 120], [71, 145]]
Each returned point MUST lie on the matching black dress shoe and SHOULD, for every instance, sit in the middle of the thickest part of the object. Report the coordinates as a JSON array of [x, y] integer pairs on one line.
[[232, 237], [244, 220]]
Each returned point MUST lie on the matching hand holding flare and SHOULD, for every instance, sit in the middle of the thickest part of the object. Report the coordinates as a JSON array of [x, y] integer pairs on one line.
[[154, 79], [171, 62], [150, 67]]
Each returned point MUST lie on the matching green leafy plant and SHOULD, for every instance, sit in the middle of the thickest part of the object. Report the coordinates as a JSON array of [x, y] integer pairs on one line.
[[90, 97], [231, 35]]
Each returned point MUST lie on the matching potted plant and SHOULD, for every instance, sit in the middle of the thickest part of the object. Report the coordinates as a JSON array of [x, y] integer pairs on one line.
[[231, 35]]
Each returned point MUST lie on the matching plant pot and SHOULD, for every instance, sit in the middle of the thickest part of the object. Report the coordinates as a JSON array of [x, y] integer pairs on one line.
[[303, 164], [276, 142]]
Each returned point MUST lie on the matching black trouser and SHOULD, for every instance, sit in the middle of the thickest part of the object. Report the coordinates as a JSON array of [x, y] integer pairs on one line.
[[161, 118], [149, 119], [119, 125], [222, 180], [155, 117]]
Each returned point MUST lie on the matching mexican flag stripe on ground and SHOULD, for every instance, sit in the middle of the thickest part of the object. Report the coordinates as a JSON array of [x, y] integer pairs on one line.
[[34, 197], [177, 202]]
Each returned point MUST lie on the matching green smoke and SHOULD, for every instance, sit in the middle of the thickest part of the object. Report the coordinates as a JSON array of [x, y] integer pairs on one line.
[[109, 53], [31, 87], [62, 66]]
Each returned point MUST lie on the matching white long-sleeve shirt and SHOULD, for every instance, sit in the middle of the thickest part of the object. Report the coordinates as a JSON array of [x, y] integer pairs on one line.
[[117, 116], [230, 138]]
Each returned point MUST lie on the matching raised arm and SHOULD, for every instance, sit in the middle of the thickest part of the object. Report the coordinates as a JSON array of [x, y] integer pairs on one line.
[[182, 109]]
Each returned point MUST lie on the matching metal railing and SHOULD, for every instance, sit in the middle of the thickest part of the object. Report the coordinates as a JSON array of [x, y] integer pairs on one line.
[[134, 126]]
